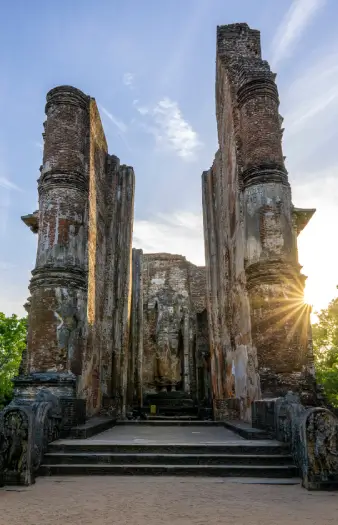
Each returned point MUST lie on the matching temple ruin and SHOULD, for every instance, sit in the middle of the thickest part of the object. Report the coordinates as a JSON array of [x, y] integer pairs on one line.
[[115, 334], [111, 326]]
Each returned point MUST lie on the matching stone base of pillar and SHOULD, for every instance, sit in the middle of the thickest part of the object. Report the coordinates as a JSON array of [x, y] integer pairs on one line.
[[60, 384], [226, 409], [275, 385]]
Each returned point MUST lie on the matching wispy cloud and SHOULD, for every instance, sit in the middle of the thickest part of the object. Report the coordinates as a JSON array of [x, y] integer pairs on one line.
[[184, 48], [5, 202], [175, 132], [295, 21], [313, 92], [6, 266], [311, 114], [171, 131], [179, 232], [121, 126], [8, 185], [143, 110], [129, 79]]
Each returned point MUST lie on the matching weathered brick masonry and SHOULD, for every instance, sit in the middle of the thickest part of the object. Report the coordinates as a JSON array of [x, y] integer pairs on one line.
[[257, 319], [80, 289], [169, 331]]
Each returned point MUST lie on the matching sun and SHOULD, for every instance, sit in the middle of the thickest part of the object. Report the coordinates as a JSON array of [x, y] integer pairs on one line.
[[310, 295], [318, 256]]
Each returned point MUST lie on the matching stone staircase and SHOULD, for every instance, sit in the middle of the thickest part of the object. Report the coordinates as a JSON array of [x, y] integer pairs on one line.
[[238, 458]]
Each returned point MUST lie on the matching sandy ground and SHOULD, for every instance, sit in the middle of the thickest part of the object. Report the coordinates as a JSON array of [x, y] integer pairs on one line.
[[162, 501]]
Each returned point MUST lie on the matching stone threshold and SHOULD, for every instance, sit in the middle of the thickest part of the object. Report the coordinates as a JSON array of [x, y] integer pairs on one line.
[[246, 431], [93, 426]]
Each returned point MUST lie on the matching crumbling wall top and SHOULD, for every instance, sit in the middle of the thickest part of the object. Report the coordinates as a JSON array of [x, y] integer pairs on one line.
[[164, 257], [67, 95], [238, 39]]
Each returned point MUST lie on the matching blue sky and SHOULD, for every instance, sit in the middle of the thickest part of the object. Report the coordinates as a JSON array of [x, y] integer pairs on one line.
[[150, 65]]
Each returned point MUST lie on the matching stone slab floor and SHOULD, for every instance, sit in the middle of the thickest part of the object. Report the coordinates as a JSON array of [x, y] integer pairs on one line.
[[163, 434], [163, 501]]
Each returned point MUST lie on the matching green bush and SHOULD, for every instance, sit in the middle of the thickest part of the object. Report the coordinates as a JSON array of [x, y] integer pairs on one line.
[[325, 346], [13, 332]]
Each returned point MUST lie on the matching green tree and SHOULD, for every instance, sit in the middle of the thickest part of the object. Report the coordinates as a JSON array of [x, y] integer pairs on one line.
[[12, 343], [325, 346]]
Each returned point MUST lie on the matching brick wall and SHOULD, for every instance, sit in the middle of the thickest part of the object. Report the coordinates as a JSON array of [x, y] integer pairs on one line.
[[254, 285], [58, 286], [173, 294], [90, 380], [79, 316]]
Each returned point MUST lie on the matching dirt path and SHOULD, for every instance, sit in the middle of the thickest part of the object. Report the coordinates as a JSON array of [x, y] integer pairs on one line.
[[163, 501]]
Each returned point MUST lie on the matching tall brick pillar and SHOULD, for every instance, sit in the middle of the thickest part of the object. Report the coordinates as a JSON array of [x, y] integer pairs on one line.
[[275, 285], [58, 286], [258, 323]]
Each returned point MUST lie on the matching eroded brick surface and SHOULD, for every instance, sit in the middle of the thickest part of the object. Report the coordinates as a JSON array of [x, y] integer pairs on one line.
[[173, 326], [80, 306], [257, 320]]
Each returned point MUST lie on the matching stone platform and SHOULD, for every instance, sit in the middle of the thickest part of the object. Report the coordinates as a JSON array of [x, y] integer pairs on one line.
[[195, 450], [199, 433]]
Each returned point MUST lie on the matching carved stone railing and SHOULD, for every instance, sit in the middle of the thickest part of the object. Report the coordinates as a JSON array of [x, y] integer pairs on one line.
[[312, 434], [26, 429]]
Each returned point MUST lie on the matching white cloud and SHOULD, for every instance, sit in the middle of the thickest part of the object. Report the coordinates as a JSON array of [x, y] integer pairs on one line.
[[294, 23], [128, 79], [121, 126], [180, 233], [143, 110], [171, 131], [175, 132], [8, 185]]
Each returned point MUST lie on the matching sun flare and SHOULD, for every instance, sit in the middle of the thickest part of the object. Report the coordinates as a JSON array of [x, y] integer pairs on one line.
[[315, 245]]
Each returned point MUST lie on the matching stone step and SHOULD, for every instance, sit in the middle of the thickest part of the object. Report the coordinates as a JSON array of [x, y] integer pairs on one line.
[[165, 422], [174, 411], [91, 458], [174, 418], [234, 447], [257, 471], [93, 426], [265, 481], [245, 430]]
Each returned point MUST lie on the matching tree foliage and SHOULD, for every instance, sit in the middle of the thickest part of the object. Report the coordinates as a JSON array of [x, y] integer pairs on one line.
[[325, 346], [12, 343]]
